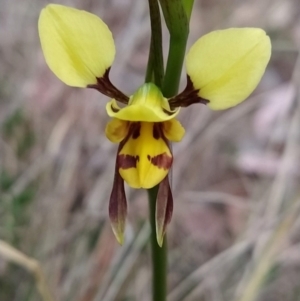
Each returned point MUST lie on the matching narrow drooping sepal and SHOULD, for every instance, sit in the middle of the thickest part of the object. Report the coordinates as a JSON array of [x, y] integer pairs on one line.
[[118, 207], [225, 66], [164, 209], [77, 45]]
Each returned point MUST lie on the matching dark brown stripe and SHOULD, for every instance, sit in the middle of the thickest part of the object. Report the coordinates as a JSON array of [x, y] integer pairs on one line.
[[161, 161], [136, 130], [187, 97], [105, 86], [127, 161], [156, 130]]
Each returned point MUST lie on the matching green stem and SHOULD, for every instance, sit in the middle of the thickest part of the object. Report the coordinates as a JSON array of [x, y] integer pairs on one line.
[[188, 7], [159, 254], [176, 14], [155, 73], [174, 65], [155, 66], [177, 22], [149, 72]]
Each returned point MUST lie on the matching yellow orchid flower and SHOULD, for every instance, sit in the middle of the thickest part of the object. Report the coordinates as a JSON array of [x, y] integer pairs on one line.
[[223, 68]]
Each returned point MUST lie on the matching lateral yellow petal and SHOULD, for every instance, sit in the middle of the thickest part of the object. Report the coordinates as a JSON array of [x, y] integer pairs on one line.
[[116, 130], [146, 104], [145, 158], [173, 130], [226, 65], [77, 45]]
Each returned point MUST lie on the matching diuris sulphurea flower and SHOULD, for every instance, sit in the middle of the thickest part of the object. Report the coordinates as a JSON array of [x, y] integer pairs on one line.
[[223, 67]]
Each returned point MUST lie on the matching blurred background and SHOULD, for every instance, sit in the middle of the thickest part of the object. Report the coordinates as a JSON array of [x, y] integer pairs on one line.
[[235, 229]]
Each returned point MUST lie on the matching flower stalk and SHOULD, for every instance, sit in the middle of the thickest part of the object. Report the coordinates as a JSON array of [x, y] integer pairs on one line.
[[154, 72], [160, 212], [159, 254], [155, 68]]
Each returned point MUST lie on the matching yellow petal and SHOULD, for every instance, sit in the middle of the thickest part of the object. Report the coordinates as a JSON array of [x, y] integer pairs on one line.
[[147, 104], [173, 130], [116, 130], [145, 158], [77, 45], [226, 65]]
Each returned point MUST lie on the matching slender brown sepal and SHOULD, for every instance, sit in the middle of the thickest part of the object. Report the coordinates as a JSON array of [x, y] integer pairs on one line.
[[105, 87], [118, 206], [187, 97], [164, 209]]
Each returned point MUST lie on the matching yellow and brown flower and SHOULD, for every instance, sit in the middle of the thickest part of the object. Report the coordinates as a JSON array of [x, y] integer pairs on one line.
[[223, 67]]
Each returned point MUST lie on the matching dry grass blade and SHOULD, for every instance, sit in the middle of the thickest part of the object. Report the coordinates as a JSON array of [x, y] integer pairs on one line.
[[190, 282], [289, 156], [126, 266], [268, 257], [32, 265], [249, 287], [216, 198]]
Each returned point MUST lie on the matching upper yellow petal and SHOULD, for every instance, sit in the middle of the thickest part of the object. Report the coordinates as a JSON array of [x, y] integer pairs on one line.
[[77, 45], [146, 104], [227, 65]]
